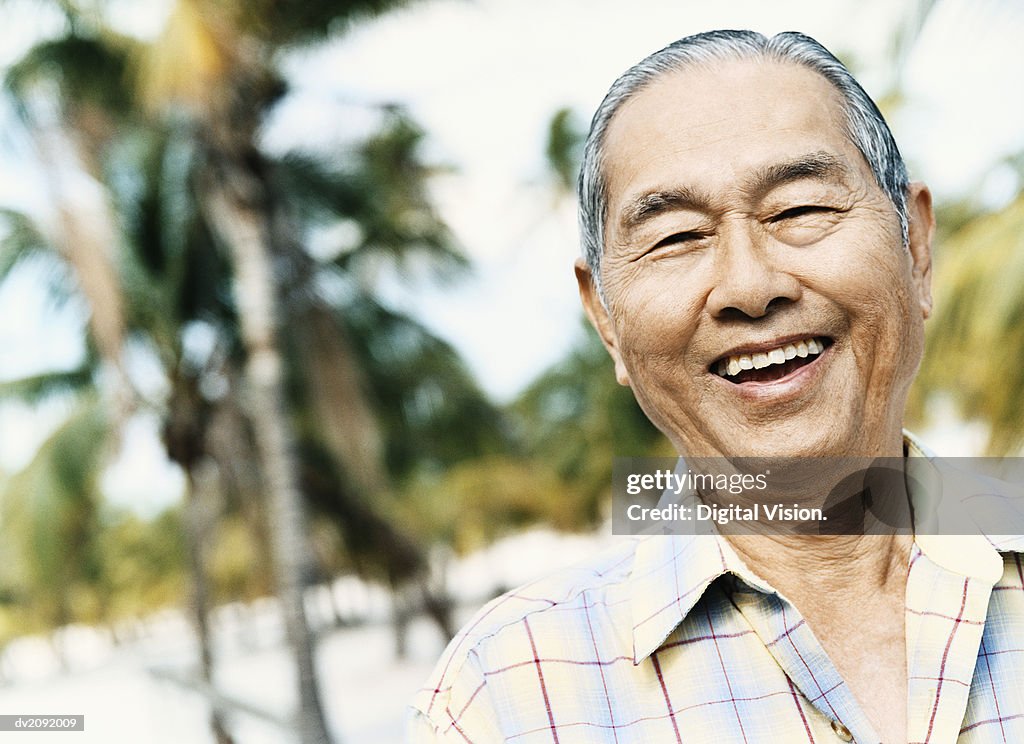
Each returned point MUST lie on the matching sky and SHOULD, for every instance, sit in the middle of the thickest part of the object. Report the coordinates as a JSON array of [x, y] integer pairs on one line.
[[483, 79]]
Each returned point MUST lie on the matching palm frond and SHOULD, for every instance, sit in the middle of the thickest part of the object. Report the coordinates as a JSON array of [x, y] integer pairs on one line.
[[22, 240], [976, 337], [294, 22], [89, 74], [431, 410], [380, 187], [37, 388], [564, 148]]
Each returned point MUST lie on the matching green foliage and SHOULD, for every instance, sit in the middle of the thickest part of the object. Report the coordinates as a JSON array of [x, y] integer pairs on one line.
[[432, 411], [581, 394], [143, 561], [21, 241], [379, 190], [564, 149], [480, 500], [175, 272], [36, 388], [24, 246], [976, 334], [576, 418], [233, 553], [292, 22], [49, 514], [565, 430], [82, 68]]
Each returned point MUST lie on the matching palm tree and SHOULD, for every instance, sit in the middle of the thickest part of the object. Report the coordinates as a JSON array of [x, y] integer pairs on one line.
[[976, 336], [50, 512], [196, 197]]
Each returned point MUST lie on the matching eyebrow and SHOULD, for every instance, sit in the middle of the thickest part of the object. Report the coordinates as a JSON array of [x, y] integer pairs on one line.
[[649, 205], [819, 166]]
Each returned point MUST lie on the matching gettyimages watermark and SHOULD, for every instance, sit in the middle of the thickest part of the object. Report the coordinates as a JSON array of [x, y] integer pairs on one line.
[[818, 496]]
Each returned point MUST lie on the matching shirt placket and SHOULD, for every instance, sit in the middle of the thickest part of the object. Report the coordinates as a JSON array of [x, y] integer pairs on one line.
[[788, 638]]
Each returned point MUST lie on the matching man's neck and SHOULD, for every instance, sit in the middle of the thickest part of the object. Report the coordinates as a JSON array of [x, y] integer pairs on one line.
[[851, 591], [801, 566], [871, 555]]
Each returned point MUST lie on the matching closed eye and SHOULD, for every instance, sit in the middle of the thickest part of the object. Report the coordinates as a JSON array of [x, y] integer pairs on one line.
[[676, 238], [801, 211]]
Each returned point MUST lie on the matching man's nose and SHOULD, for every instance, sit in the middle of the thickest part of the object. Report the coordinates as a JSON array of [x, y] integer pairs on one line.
[[748, 279]]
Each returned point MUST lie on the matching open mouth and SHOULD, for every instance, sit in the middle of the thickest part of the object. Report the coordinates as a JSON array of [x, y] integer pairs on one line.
[[770, 365]]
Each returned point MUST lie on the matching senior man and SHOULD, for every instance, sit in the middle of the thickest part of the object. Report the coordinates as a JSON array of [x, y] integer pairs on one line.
[[758, 266]]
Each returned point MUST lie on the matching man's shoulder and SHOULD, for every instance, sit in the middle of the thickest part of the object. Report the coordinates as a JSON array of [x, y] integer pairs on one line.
[[973, 495], [501, 627], [560, 591]]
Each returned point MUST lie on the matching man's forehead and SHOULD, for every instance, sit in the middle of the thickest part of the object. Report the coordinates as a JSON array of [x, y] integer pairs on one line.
[[714, 123]]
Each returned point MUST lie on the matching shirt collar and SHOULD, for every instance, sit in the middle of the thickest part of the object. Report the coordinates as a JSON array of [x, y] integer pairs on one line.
[[968, 555], [671, 572]]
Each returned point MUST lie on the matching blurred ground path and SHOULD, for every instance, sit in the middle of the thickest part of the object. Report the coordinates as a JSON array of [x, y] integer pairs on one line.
[[365, 689]]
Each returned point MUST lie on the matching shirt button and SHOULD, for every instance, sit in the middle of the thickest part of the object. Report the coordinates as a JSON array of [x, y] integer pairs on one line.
[[841, 731]]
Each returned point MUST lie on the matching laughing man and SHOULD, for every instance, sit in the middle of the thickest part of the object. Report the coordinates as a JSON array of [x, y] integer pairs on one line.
[[758, 267]]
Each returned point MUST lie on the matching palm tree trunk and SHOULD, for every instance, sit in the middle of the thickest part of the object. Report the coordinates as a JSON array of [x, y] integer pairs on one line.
[[353, 434], [199, 507], [235, 202]]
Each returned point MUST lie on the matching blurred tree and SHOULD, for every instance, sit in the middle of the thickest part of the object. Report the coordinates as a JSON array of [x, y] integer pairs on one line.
[[576, 418], [209, 221], [50, 512], [564, 151], [141, 562], [976, 334], [974, 340]]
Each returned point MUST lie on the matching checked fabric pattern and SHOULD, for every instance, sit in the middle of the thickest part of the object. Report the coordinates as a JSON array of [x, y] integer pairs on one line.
[[672, 639]]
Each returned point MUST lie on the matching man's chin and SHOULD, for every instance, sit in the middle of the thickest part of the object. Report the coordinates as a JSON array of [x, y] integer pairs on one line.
[[804, 436]]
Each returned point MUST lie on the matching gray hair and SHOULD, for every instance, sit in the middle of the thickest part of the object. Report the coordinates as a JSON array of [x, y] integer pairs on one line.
[[865, 126]]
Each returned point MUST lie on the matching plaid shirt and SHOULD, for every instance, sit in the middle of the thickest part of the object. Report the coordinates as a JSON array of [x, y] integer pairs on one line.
[[673, 639]]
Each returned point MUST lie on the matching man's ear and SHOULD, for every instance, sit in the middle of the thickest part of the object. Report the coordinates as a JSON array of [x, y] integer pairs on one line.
[[921, 230], [599, 318]]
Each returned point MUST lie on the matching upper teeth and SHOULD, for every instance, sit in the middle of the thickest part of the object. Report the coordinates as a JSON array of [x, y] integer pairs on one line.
[[734, 364]]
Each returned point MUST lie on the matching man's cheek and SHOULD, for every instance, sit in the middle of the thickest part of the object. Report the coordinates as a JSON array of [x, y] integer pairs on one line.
[[867, 284], [891, 344], [659, 326], [885, 302]]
